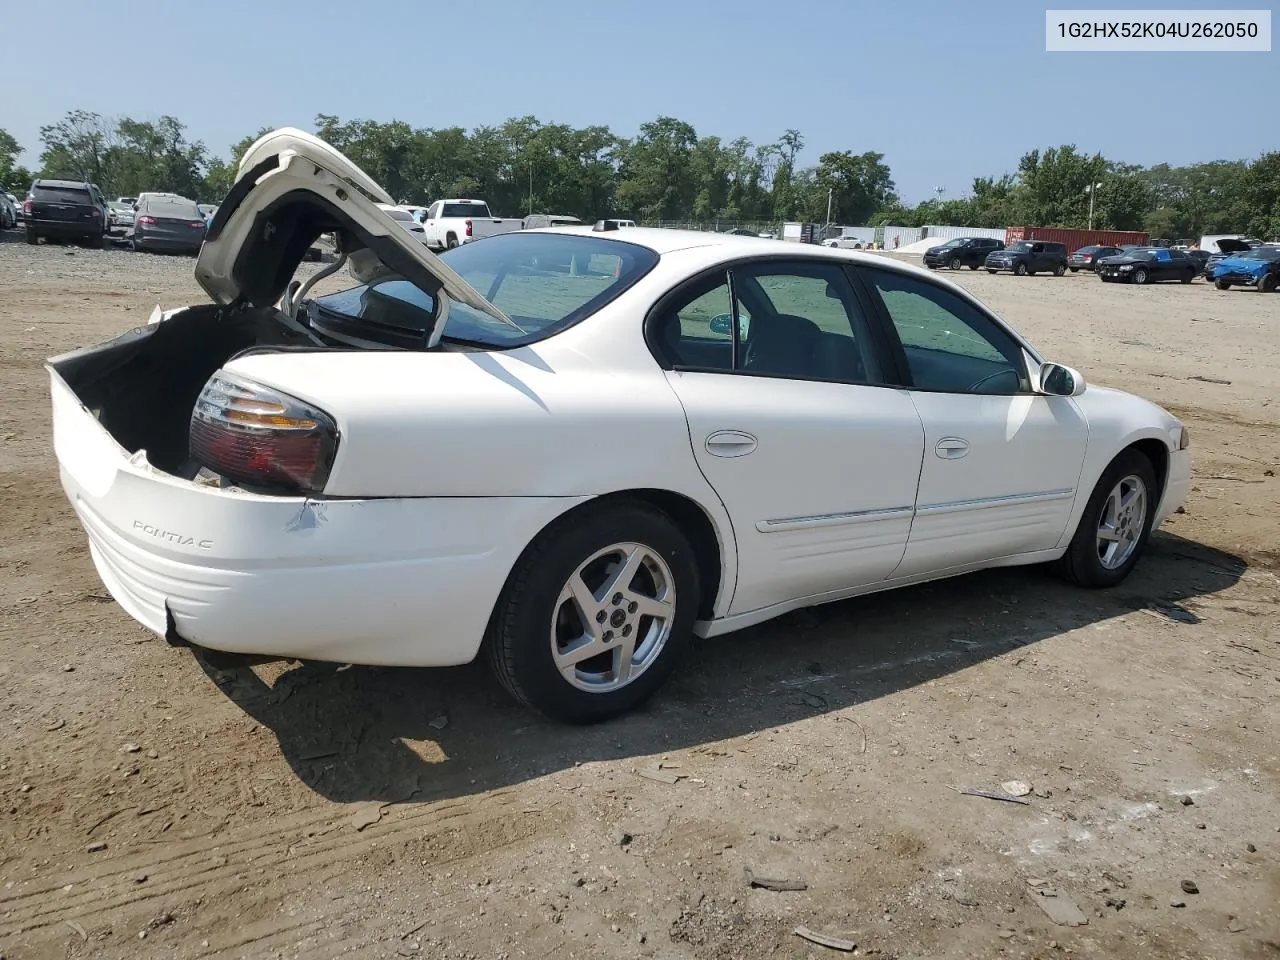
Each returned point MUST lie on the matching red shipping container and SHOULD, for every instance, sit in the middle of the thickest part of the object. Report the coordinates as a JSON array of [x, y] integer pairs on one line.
[[1075, 239]]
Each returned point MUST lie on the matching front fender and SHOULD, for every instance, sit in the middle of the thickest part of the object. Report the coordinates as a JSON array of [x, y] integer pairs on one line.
[[1117, 421]]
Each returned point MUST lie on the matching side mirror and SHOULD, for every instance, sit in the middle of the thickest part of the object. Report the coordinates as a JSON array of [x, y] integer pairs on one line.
[[722, 325], [1059, 381]]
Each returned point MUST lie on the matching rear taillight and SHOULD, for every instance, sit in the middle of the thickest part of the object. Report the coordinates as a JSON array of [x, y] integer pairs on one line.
[[145, 219], [258, 436], [468, 228], [26, 208]]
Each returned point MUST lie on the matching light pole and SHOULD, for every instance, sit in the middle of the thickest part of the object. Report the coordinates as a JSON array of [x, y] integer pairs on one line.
[[1091, 189], [829, 192]]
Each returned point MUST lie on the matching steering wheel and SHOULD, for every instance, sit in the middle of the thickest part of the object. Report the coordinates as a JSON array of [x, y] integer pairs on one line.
[[973, 387]]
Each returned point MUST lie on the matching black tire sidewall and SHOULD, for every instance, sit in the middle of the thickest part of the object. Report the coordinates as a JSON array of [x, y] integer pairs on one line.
[[519, 639], [1082, 556]]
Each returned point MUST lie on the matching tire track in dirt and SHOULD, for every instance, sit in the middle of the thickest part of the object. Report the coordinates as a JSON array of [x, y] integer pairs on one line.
[[211, 864]]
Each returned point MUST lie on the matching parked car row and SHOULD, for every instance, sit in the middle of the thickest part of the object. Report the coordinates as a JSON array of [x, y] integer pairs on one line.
[[1239, 262]]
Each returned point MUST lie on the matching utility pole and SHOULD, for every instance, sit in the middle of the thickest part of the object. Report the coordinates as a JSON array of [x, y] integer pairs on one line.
[[1091, 189], [530, 184], [829, 192]]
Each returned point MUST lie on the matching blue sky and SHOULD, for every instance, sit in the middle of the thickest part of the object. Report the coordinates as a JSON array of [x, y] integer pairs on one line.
[[945, 90]]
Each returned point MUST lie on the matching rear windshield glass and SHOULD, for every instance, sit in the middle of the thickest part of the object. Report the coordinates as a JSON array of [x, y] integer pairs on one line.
[[1261, 253], [465, 210], [398, 214], [173, 209], [61, 194], [544, 282]]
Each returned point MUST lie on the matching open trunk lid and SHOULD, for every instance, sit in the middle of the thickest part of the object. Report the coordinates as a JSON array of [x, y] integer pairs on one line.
[[290, 188]]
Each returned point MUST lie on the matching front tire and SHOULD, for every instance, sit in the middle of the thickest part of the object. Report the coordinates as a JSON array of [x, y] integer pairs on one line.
[[596, 613], [1020, 270], [1059, 270], [955, 263], [973, 266], [1138, 276], [1115, 525], [1222, 285], [1267, 284], [993, 272]]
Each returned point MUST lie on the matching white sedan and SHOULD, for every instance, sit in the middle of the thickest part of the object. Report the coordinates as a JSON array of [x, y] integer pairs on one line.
[[570, 450]]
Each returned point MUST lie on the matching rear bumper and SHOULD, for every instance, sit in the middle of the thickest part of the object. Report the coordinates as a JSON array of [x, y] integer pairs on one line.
[[392, 581], [65, 228], [180, 244], [401, 582]]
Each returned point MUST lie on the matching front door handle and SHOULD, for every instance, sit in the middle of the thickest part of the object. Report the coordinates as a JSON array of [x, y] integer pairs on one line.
[[951, 448], [730, 443]]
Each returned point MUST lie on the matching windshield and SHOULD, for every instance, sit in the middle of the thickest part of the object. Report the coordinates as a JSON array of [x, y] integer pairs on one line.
[[544, 282], [465, 210], [949, 243], [1260, 253], [172, 209], [1022, 246], [61, 194]]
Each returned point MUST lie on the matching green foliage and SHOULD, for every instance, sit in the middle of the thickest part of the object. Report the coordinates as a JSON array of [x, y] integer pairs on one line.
[[668, 172]]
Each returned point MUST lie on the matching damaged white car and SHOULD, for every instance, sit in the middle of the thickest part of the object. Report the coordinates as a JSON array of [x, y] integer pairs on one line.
[[571, 450]]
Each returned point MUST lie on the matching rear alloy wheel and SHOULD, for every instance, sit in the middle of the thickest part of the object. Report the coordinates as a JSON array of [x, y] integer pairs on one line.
[[1020, 270], [596, 612], [955, 263], [1138, 276], [1115, 525]]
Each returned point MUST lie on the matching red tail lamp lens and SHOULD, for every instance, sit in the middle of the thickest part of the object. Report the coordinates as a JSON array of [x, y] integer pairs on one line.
[[261, 437]]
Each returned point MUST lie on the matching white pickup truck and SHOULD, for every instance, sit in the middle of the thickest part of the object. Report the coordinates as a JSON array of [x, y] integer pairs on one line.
[[449, 223]]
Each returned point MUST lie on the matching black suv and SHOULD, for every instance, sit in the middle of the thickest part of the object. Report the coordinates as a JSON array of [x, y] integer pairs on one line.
[[1029, 257], [968, 252], [67, 210]]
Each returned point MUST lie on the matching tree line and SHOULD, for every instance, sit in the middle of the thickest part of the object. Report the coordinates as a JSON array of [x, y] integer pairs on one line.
[[667, 172]]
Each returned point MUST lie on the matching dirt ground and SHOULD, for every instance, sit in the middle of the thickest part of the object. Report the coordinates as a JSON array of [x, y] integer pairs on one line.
[[157, 807]]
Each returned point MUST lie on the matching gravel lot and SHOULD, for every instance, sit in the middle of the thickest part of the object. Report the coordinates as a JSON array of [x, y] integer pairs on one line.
[[155, 807]]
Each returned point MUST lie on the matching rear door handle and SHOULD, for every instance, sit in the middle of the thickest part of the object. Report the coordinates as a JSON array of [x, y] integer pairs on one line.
[[730, 443], [951, 448]]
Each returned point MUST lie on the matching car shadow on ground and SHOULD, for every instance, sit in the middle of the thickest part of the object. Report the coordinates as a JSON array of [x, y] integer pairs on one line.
[[414, 735]]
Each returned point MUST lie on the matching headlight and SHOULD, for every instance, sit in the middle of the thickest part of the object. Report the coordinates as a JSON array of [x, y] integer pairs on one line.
[[1125, 267]]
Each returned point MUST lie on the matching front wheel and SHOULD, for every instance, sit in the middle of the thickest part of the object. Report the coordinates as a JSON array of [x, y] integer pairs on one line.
[[992, 272], [1138, 276], [596, 612], [1267, 284], [1222, 285], [955, 263], [1188, 278], [1059, 270], [973, 266], [1075, 269], [1115, 525], [1020, 270]]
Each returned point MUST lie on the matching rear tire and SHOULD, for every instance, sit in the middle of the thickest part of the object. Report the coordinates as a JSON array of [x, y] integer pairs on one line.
[[1188, 278], [1267, 284], [973, 266], [993, 272], [1059, 270], [538, 609], [32, 237], [1222, 285], [1085, 563], [1074, 269], [451, 241]]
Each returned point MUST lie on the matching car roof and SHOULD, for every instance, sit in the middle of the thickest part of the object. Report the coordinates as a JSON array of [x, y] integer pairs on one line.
[[61, 183]]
